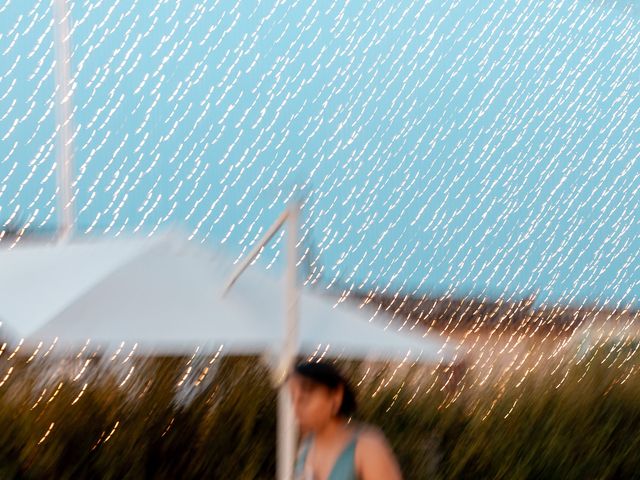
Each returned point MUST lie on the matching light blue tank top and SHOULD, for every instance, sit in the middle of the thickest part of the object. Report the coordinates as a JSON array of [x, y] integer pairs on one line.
[[343, 469]]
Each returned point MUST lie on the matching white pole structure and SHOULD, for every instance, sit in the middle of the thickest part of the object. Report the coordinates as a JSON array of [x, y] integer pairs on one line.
[[273, 229], [286, 428], [64, 111], [286, 421]]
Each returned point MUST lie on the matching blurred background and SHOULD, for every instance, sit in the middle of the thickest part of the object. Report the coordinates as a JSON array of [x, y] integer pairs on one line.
[[466, 245]]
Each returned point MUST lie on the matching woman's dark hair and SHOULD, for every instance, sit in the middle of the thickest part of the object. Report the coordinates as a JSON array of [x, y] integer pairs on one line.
[[326, 374]]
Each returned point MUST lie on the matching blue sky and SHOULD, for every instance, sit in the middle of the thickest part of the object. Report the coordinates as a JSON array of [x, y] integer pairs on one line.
[[485, 148]]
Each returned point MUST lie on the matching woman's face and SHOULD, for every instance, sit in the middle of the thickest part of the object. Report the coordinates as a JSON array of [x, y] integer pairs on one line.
[[314, 404]]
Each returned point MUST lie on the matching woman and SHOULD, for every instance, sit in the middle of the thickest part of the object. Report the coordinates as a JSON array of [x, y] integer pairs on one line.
[[332, 447]]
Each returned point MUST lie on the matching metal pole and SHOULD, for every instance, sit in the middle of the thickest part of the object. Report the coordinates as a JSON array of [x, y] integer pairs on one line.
[[64, 110], [254, 253], [286, 428], [286, 441]]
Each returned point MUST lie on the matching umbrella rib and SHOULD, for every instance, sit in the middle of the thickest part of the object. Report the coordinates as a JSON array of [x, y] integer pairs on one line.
[[256, 249]]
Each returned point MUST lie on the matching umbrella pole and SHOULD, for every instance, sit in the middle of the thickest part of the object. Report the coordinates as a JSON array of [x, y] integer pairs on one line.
[[64, 109], [287, 431]]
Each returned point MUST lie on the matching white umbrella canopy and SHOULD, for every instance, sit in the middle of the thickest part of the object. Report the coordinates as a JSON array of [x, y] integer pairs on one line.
[[349, 331], [163, 294]]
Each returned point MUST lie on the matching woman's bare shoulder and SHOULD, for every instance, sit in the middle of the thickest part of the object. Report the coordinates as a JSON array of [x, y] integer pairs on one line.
[[374, 457], [370, 434], [372, 441]]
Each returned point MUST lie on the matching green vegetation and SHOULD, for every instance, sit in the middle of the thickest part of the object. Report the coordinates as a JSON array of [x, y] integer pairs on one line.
[[572, 424]]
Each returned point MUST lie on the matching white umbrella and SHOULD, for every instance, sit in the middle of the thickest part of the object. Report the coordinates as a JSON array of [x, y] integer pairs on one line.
[[158, 292], [164, 294]]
